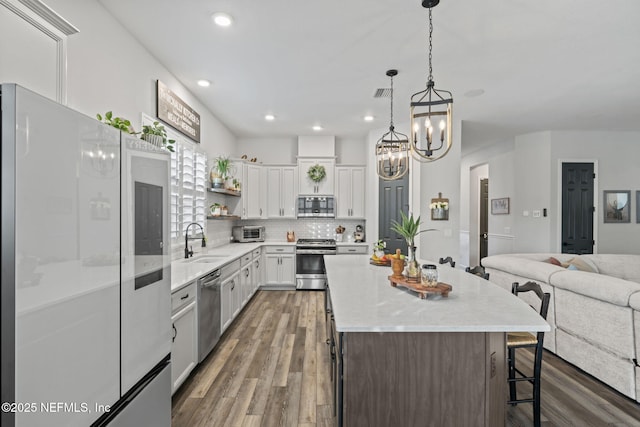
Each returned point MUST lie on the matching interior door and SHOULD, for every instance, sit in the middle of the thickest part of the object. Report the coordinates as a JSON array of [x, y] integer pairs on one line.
[[484, 218], [394, 197], [577, 208]]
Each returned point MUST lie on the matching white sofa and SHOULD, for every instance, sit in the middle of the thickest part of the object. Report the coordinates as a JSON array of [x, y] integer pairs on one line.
[[594, 316]]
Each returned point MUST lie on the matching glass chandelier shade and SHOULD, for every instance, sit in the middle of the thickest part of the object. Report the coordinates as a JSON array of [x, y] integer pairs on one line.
[[392, 149], [431, 115]]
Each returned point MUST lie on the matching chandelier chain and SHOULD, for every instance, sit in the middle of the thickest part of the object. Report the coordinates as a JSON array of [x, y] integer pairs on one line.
[[391, 124], [430, 45]]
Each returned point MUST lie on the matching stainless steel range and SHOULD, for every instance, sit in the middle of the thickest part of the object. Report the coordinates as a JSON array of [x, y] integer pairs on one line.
[[310, 271]]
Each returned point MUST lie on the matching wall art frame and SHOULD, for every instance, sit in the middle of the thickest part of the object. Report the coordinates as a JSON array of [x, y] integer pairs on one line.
[[500, 206], [617, 206]]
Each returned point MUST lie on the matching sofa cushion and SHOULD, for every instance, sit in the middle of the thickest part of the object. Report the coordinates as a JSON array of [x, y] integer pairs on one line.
[[598, 286], [625, 267], [578, 263]]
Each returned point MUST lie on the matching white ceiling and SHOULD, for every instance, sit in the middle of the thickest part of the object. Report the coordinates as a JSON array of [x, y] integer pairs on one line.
[[543, 65]]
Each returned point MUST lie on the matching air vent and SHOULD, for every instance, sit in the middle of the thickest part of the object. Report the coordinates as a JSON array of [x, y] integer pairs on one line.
[[382, 93]]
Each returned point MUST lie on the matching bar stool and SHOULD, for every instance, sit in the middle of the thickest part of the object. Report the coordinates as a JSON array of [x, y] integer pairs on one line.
[[517, 340], [478, 270], [447, 260]]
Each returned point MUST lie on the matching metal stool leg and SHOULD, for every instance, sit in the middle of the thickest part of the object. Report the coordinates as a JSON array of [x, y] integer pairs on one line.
[[512, 375]]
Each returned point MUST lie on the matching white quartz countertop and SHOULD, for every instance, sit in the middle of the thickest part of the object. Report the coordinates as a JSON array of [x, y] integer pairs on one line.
[[364, 301]]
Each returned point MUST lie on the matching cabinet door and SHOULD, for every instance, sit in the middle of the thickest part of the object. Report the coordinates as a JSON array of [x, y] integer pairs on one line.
[[289, 191], [226, 298], [287, 269], [236, 295], [274, 202], [343, 192], [307, 186], [184, 350], [245, 285], [251, 192], [357, 192], [257, 273], [272, 269]]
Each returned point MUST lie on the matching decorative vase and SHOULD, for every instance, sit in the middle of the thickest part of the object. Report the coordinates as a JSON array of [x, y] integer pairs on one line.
[[439, 213], [155, 140], [397, 264], [413, 268]]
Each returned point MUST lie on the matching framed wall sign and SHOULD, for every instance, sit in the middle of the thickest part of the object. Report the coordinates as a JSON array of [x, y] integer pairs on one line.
[[617, 206], [500, 206], [176, 113]]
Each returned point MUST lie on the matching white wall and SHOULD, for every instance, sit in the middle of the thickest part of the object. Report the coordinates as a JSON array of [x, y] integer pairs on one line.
[[268, 150], [352, 151], [528, 171], [618, 168], [109, 70]]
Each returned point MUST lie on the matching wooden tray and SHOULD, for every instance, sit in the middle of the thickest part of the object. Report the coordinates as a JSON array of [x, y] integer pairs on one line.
[[422, 290]]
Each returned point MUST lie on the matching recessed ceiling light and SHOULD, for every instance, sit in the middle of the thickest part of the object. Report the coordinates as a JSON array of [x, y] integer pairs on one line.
[[222, 19], [368, 118], [204, 83], [317, 128], [269, 117]]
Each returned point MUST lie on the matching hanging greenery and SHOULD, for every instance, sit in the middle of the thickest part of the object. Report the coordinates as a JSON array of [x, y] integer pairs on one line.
[[317, 173]]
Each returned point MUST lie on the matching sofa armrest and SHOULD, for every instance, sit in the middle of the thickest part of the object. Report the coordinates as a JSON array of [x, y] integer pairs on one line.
[[519, 266], [599, 286]]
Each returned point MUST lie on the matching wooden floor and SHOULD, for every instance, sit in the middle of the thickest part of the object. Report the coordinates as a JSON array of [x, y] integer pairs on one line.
[[272, 368]]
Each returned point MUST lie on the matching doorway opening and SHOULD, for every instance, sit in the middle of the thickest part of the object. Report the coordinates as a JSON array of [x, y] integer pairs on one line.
[[393, 198]]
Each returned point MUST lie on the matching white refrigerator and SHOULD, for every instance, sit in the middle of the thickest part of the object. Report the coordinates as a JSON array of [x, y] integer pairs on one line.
[[85, 281]]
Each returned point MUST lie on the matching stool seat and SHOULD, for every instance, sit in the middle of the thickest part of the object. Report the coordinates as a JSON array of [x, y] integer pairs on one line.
[[521, 339]]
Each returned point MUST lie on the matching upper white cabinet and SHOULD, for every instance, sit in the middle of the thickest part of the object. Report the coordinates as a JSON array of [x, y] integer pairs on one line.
[[350, 191], [253, 192], [307, 186], [283, 190]]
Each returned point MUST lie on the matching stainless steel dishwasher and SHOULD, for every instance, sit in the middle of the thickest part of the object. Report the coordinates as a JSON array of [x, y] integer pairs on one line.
[[208, 313]]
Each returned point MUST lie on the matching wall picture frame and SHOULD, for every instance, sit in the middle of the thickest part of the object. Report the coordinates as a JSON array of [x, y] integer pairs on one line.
[[500, 206], [617, 206]]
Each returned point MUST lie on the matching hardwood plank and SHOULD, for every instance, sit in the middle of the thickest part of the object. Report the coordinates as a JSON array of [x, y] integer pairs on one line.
[[205, 377], [294, 384], [309, 370], [252, 421], [276, 407], [241, 404], [297, 356], [282, 369], [257, 406]]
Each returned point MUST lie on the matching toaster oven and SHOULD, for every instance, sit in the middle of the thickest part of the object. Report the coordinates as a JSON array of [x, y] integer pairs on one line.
[[248, 233]]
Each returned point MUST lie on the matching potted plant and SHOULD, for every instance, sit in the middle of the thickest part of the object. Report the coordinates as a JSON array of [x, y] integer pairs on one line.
[[117, 122], [220, 171], [157, 135], [216, 209], [409, 228]]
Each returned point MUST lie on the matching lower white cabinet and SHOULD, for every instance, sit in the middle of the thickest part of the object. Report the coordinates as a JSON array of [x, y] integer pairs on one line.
[[230, 299], [280, 264], [257, 270], [246, 284], [184, 346], [352, 250]]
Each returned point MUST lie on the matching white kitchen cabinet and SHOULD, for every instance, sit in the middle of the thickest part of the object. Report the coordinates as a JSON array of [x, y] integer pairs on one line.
[[253, 192], [283, 191], [308, 187], [350, 192], [258, 270], [230, 299], [352, 249], [246, 282], [184, 345], [280, 266]]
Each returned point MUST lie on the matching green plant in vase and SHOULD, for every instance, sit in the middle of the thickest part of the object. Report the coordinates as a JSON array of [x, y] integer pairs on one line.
[[409, 228], [116, 122], [157, 135]]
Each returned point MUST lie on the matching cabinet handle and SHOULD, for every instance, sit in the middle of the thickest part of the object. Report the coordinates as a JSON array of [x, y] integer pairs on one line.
[[175, 333], [351, 250], [246, 273], [233, 284], [185, 297], [260, 211]]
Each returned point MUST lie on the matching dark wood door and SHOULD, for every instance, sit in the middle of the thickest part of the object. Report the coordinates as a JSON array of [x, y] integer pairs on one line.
[[577, 208], [394, 197], [484, 218]]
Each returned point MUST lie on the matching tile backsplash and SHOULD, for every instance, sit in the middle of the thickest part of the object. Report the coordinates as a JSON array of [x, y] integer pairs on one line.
[[219, 231]]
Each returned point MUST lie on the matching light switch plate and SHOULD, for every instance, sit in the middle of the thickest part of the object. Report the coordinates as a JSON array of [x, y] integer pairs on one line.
[[536, 214], [525, 213]]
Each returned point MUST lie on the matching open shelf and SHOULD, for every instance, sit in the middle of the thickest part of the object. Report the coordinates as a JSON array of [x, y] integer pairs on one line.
[[224, 191], [221, 217]]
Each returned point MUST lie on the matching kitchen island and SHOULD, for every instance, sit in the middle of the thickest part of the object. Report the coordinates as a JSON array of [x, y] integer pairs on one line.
[[402, 360]]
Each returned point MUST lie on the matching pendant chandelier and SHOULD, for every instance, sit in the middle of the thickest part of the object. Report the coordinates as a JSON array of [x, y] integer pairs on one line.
[[431, 112], [392, 150]]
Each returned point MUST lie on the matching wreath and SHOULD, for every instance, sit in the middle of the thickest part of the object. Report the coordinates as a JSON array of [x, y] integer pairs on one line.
[[317, 173]]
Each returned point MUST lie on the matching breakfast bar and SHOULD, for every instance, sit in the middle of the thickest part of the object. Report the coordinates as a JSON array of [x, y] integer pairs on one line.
[[403, 360]]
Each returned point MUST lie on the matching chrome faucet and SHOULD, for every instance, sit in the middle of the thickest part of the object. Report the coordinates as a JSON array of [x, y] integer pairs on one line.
[[189, 252]]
